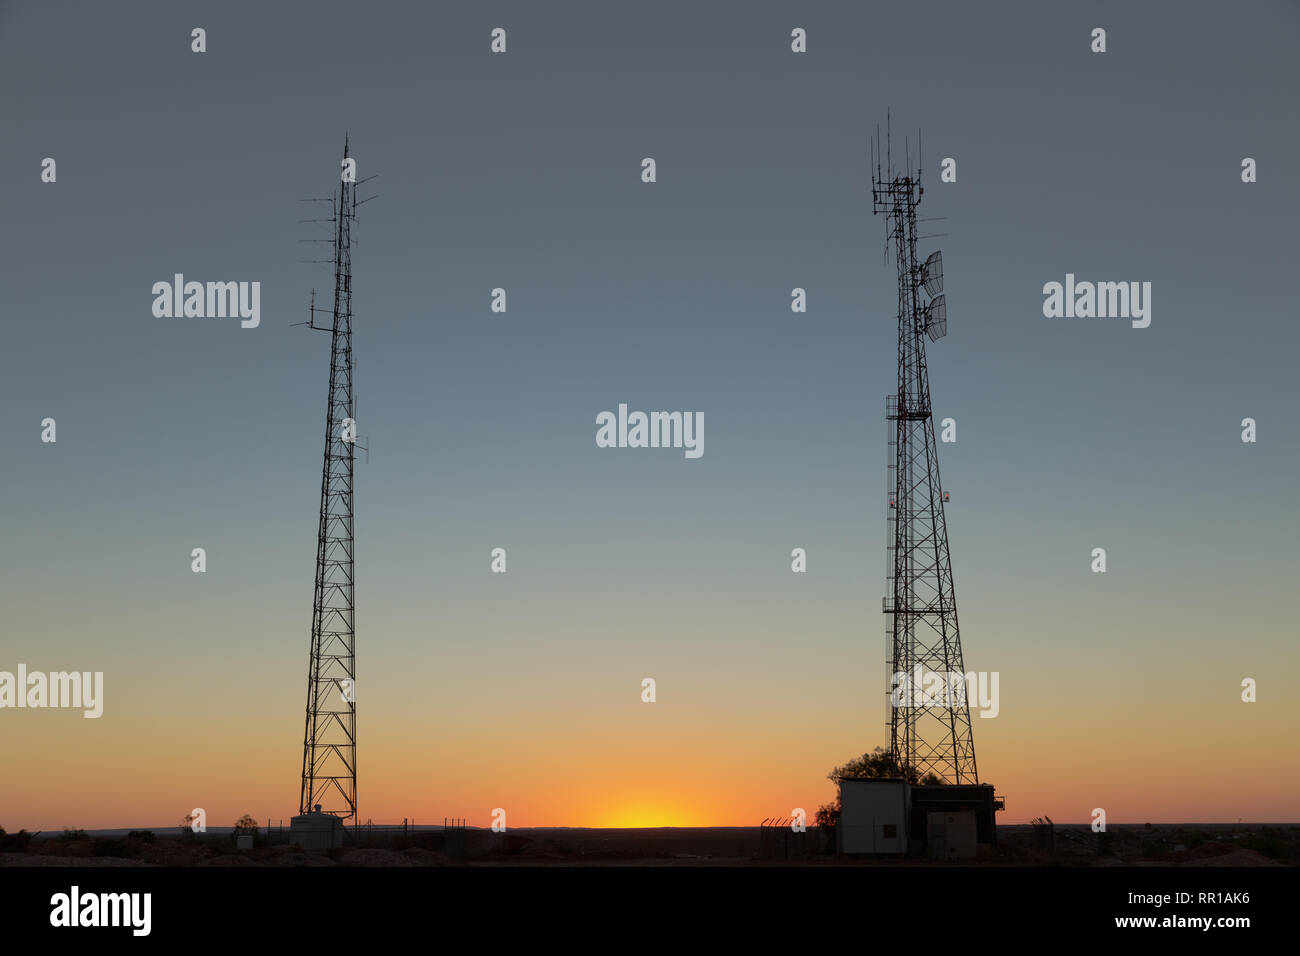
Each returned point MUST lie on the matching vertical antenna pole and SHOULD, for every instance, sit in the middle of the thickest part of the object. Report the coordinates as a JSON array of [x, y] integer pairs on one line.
[[329, 768]]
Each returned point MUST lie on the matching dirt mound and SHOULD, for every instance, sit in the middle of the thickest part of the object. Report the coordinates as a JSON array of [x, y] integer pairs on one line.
[[374, 857], [296, 856], [1237, 857], [429, 857], [39, 859], [175, 853], [229, 861], [546, 850]]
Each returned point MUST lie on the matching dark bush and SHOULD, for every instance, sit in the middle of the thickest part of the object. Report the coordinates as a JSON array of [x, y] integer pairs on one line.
[[15, 842], [105, 847]]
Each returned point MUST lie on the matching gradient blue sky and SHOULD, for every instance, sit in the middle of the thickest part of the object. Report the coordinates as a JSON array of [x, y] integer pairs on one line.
[[523, 171]]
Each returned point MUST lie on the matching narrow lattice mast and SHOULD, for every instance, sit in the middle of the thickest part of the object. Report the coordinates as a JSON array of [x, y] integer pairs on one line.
[[329, 764], [930, 733]]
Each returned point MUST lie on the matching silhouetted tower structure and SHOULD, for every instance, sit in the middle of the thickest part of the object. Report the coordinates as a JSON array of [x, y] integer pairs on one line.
[[329, 752], [930, 733]]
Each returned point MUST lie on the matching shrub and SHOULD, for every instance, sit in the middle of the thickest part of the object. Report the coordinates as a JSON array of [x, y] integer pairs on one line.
[[15, 842]]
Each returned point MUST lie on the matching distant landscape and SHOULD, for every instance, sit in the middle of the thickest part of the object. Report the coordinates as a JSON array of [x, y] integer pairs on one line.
[[1190, 844]]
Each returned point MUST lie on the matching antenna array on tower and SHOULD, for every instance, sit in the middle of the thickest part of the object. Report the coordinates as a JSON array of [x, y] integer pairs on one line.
[[929, 736]]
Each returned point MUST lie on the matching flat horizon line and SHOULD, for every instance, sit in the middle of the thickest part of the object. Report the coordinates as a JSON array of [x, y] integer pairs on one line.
[[174, 830]]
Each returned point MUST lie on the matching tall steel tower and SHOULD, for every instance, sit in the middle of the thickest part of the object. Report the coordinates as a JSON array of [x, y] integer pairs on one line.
[[929, 731], [329, 750]]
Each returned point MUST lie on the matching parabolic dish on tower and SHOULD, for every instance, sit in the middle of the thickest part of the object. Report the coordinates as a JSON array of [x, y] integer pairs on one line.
[[936, 318], [932, 274]]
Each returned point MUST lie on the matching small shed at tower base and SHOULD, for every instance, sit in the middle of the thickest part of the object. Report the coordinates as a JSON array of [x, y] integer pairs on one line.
[[316, 831], [873, 815], [953, 821], [890, 816]]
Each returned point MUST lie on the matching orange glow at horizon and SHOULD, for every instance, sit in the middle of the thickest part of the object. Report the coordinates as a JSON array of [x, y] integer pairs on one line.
[[731, 740]]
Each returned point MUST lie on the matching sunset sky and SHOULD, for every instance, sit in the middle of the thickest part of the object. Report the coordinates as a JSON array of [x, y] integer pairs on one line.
[[523, 691]]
